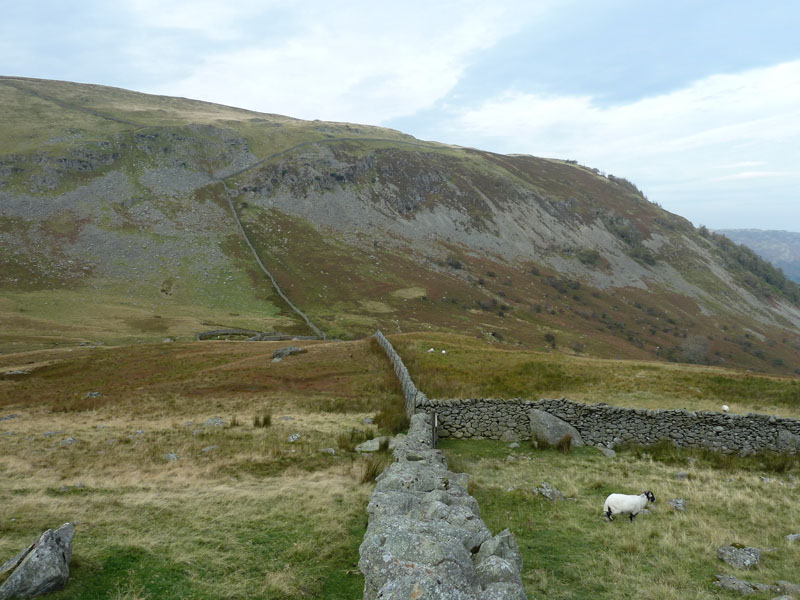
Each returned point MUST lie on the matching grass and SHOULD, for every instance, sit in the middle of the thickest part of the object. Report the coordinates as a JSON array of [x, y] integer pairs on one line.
[[569, 551], [474, 369], [240, 513]]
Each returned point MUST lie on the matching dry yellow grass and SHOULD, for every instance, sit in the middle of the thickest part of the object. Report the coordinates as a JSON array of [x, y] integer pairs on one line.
[[242, 513]]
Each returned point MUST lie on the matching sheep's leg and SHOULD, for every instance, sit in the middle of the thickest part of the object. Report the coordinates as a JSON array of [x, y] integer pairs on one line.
[[608, 515], [633, 515]]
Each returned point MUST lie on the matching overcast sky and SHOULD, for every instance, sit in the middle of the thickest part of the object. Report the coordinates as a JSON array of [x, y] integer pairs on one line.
[[695, 101]]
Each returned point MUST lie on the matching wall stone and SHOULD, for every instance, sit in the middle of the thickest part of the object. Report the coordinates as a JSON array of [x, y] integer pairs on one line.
[[610, 425], [425, 537]]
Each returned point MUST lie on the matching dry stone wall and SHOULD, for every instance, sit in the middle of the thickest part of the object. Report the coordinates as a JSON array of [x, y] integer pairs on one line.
[[412, 395], [610, 425], [425, 537]]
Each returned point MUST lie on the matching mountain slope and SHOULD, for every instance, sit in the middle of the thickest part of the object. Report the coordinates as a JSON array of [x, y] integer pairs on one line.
[[781, 248], [131, 202]]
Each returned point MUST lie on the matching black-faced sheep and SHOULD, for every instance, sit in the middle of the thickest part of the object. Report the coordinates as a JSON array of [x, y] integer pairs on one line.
[[617, 504]]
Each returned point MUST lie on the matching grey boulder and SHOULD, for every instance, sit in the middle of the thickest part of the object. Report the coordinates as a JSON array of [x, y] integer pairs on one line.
[[41, 568], [741, 558], [545, 426]]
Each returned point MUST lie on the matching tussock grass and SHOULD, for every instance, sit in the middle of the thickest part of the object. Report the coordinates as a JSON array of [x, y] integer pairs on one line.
[[569, 551]]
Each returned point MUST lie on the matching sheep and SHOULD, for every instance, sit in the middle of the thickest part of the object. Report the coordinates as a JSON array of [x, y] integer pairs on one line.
[[725, 408], [626, 504]]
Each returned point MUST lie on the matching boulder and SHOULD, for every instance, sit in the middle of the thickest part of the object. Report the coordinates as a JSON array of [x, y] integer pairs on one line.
[[793, 537], [545, 426], [788, 441], [741, 558], [41, 568]]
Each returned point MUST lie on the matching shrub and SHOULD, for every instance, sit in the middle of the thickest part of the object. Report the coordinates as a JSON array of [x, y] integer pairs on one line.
[[392, 418], [347, 441], [264, 420], [371, 467]]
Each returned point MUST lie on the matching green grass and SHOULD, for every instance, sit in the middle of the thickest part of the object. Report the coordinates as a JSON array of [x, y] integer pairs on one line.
[[569, 551], [474, 369]]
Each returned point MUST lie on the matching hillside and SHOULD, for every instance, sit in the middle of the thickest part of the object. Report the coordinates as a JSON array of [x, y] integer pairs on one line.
[[781, 248], [120, 221]]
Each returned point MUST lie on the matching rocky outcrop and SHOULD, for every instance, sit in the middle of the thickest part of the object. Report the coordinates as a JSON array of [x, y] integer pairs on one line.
[[425, 537], [41, 568]]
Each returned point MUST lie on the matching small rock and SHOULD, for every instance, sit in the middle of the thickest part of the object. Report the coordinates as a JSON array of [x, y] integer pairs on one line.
[[372, 445], [741, 558], [93, 394], [678, 504], [209, 448], [691, 460], [681, 475], [607, 452], [548, 491], [69, 441], [513, 445], [367, 421], [8, 417], [171, 457], [139, 432], [197, 431], [214, 422], [287, 418], [188, 423], [293, 438], [793, 537], [281, 353], [330, 451], [52, 433]]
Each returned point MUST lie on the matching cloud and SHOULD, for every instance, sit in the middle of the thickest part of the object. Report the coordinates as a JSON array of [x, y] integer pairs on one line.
[[669, 144], [355, 62]]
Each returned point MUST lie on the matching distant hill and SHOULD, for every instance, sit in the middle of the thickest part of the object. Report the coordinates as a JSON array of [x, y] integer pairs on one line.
[[781, 248], [129, 217]]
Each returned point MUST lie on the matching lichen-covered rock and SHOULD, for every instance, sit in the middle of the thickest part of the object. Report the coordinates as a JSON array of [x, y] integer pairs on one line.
[[550, 428], [741, 558], [41, 568]]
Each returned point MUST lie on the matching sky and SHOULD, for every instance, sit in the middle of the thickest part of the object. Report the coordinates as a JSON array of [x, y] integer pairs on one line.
[[697, 102]]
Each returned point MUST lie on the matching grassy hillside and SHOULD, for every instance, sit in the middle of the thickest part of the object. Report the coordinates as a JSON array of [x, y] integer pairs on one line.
[[114, 200], [240, 513], [244, 513]]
